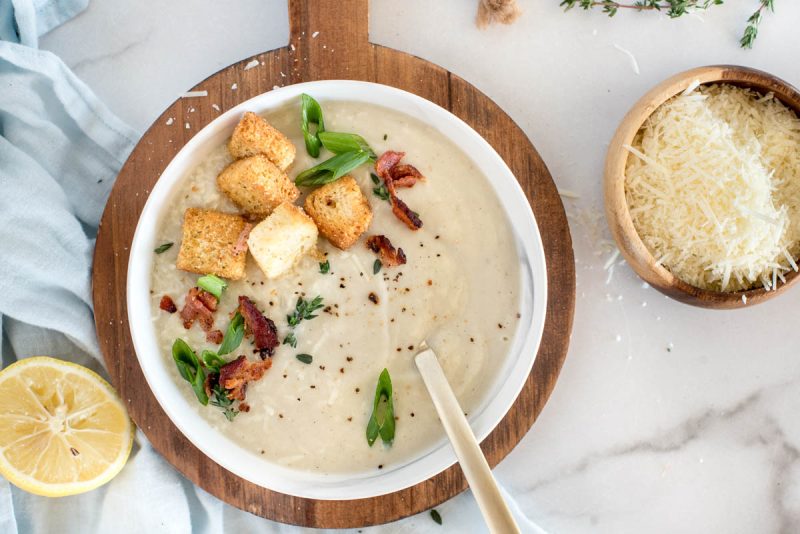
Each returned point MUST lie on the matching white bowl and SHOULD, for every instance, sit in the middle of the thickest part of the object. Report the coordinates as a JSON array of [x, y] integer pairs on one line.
[[500, 396]]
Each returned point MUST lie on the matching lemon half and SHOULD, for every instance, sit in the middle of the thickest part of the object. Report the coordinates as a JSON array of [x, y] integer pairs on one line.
[[63, 429]]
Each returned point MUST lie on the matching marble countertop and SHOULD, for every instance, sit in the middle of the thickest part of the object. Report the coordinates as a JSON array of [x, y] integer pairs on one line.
[[666, 418]]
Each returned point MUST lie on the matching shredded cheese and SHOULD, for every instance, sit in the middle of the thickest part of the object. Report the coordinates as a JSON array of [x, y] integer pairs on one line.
[[713, 187]]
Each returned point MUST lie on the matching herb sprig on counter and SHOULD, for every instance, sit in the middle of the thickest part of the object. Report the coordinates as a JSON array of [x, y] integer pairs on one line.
[[751, 30], [673, 9], [381, 422]]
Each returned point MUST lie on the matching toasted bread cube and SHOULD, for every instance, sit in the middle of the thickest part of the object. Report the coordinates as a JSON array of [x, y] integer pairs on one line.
[[281, 239], [254, 135], [213, 243], [256, 185], [340, 210]]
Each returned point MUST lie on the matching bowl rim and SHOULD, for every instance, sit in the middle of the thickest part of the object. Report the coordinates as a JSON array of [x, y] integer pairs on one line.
[[618, 216], [511, 378]]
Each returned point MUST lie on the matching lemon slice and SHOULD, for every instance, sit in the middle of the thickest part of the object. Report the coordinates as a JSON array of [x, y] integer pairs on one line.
[[63, 430]]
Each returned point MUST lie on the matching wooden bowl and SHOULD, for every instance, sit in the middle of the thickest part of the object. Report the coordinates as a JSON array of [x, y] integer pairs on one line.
[[616, 206]]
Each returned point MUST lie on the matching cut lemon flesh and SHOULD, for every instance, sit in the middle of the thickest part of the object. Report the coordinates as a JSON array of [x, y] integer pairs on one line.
[[63, 429]]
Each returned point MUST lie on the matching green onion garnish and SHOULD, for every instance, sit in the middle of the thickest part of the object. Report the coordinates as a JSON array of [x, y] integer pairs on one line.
[[332, 169], [339, 143], [381, 422], [213, 284], [233, 335], [190, 369], [311, 112]]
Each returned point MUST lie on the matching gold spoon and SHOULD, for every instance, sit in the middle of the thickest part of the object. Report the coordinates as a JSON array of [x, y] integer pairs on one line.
[[476, 470]]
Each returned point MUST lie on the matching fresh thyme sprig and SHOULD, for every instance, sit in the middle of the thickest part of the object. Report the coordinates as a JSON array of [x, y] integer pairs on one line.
[[673, 9], [222, 401], [304, 310], [751, 31]]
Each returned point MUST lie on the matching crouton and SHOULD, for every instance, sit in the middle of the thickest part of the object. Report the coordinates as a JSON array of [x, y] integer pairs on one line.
[[281, 239], [212, 243], [340, 211], [256, 185], [254, 135]]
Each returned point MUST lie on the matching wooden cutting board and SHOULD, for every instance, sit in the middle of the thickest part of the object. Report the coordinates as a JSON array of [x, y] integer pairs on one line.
[[340, 50]]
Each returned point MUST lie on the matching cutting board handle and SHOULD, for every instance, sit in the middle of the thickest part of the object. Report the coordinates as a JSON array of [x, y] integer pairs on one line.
[[318, 29]]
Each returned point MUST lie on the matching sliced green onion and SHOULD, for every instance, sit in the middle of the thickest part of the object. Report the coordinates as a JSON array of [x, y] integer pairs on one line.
[[190, 368], [381, 422], [213, 284], [212, 360], [311, 112], [339, 143], [233, 335], [332, 169]]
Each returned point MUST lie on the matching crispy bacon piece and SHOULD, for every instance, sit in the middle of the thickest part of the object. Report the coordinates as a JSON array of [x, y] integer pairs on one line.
[[167, 304], [385, 163], [199, 306], [401, 209], [241, 241], [395, 175], [215, 336], [405, 175], [380, 244], [234, 376], [263, 330]]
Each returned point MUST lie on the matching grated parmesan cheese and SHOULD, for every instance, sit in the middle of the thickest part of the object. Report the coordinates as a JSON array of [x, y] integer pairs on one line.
[[713, 187]]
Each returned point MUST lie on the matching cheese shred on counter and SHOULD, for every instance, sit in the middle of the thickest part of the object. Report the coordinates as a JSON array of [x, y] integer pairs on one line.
[[713, 187]]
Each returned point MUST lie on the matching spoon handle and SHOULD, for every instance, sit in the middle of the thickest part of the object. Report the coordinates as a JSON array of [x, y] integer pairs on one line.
[[491, 503]]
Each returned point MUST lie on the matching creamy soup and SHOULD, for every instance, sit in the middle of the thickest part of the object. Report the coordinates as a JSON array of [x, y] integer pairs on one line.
[[459, 290]]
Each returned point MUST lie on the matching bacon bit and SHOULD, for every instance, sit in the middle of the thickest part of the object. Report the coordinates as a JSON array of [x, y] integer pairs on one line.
[[244, 407], [241, 241], [385, 163], [215, 336], [380, 244], [392, 173], [263, 330], [405, 175], [199, 306], [234, 376], [401, 209], [167, 304]]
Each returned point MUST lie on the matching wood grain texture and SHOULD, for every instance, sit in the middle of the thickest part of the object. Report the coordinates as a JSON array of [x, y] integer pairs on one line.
[[340, 51], [616, 206]]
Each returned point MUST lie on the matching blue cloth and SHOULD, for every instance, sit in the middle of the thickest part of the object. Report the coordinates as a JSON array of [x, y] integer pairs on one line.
[[60, 150]]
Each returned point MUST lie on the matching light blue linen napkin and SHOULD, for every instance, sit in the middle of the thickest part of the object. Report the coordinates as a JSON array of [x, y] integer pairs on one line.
[[60, 150]]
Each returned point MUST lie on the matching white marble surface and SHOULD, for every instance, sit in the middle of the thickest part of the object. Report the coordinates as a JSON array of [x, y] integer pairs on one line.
[[666, 418]]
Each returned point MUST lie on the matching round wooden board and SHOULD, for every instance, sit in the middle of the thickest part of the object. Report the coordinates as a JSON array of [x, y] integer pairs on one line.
[[341, 50]]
